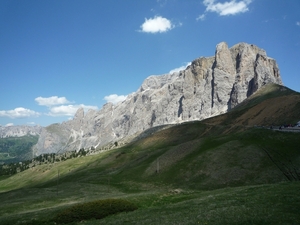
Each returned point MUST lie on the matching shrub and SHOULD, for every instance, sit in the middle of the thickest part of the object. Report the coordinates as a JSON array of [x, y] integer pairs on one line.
[[94, 210]]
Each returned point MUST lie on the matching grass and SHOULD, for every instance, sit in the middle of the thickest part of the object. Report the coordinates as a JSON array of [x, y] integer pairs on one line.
[[205, 163], [266, 204], [269, 91], [214, 179], [16, 149], [261, 204], [218, 171], [94, 210]]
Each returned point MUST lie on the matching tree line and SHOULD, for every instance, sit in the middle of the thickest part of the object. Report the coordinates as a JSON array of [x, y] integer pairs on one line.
[[49, 158]]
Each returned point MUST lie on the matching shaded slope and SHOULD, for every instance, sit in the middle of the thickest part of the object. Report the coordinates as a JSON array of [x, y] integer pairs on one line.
[[187, 159], [222, 151]]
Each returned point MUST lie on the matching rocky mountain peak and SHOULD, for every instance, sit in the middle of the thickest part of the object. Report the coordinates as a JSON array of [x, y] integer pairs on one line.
[[79, 114], [209, 86], [223, 59]]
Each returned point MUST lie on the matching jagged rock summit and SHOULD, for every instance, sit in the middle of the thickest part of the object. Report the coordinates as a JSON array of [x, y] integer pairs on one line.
[[209, 86]]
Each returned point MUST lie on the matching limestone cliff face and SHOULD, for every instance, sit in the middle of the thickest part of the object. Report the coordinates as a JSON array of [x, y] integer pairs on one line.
[[209, 86], [19, 131]]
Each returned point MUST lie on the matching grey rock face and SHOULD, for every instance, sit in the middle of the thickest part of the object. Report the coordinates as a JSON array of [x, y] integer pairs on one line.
[[208, 87], [19, 131]]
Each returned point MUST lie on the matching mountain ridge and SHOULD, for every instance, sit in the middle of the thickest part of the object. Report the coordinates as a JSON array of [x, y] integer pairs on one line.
[[209, 86], [19, 131]]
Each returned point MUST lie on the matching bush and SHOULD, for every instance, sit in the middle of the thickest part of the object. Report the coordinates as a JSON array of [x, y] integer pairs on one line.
[[94, 210]]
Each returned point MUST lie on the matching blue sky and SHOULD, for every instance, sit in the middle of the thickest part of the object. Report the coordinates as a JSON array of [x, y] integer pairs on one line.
[[58, 55]]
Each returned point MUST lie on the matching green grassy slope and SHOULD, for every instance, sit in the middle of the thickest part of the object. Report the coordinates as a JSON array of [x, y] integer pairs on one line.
[[266, 204], [223, 170], [16, 149]]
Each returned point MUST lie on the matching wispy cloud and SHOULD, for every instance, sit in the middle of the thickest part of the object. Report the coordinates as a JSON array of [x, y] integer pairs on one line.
[[50, 101], [68, 110], [180, 68], [9, 125], [201, 17], [19, 112], [157, 24], [298, 23], [227, 8], [162, 3], [114, 98]]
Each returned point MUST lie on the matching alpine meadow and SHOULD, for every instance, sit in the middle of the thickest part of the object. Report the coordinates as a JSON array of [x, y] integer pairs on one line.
[[227, 169]]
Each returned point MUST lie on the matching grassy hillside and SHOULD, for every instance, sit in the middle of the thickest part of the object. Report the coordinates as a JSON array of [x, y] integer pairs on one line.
[[273, 104], [16, 149], [224, 170], [263, 204]]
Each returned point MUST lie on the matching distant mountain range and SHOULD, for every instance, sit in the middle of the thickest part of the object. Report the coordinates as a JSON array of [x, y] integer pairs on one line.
[[19, 131], [210, 86]]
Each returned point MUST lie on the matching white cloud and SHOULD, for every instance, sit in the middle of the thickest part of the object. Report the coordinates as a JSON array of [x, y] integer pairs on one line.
[[157, 24], [50, 101], [58, 106], [179, 68], [201, 17], [68, 110], [227, 8], [298, 23], [19, 112], [115, 98], [9, 125]]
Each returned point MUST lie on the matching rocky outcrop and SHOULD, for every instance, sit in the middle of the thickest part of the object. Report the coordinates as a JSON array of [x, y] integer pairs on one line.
[[208, 87], [19, 131]]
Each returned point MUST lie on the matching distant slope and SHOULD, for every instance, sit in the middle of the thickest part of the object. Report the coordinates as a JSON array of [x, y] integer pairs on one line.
[[16, 149]]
